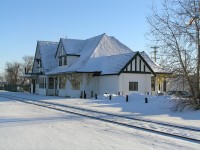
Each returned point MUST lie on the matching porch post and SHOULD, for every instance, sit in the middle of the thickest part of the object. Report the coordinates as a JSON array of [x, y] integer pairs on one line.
[[47, 84]]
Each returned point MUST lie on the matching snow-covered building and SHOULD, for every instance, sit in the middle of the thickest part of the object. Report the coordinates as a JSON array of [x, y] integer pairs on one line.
[[97, 65]]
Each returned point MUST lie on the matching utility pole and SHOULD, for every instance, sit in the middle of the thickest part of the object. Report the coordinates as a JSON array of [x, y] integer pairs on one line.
[[155, 52]]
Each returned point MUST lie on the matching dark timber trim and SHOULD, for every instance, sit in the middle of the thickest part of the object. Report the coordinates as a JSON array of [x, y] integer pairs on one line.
[[58, 47], [72, 55], [109, 74], [147, 64], [130, 61], [131, 66], [136, 63], [35, 56], [141, 72]]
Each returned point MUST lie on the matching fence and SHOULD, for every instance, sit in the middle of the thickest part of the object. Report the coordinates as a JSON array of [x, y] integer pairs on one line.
[[16, 88]]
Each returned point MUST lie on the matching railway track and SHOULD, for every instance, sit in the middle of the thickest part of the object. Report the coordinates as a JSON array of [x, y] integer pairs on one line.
[[174, 131]]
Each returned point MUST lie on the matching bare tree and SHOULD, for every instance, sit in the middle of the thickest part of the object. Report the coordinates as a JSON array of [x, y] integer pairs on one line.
[[12, 72], [27, 63], [175, 29], [26, 67], [2, 77]]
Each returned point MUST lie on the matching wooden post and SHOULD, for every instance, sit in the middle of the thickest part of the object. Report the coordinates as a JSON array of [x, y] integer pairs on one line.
[[110, 96], [95, 95], [84, 95], [92, 94], [126, 98], [81, 96], [146, 100]]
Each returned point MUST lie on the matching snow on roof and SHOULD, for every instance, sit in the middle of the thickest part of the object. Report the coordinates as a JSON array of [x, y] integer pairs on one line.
[[72, 46], [89, 46], [110, 46], [101, 53], [154, 66], [107, 64], [94, 54], [47, 51]]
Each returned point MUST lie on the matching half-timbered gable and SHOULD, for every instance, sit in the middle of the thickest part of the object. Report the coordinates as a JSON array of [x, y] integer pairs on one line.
[[137, 64]]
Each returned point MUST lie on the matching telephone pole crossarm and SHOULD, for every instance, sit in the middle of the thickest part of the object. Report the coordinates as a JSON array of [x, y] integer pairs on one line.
[[155, 52]]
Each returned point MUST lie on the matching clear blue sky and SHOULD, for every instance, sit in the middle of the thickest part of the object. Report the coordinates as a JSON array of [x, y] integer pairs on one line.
[[23, 22]]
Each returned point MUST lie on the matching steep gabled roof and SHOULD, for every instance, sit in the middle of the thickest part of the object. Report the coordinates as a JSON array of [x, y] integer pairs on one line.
[[101, 53], [109, 46], [94, 50], [47, 52], [72, 46]]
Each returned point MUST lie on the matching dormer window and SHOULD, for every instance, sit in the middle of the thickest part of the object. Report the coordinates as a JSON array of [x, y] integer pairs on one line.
[[39, 63], [62, 60]]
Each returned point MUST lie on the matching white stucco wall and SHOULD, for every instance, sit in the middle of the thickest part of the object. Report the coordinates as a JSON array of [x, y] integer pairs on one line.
[[144, 83], [69, 92], [37, 89], [74, 93], [111, 84], [50, 92], [31, 87], [62, 92], [108, 84], [89, 84], [42, 91]]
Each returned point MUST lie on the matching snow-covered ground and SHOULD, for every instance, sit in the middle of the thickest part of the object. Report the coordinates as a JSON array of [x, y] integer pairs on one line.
[[158, 108], [24, 126]]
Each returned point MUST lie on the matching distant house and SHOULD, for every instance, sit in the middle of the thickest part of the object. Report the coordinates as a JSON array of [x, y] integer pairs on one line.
[[100, 64]]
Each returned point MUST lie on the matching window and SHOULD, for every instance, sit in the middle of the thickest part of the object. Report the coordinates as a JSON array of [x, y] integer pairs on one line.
[[60, 61], [39, 63], [65, 60], [62, 82], [42, 83], [51, 83], [153, 84], [164, 85], [133, 86]]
